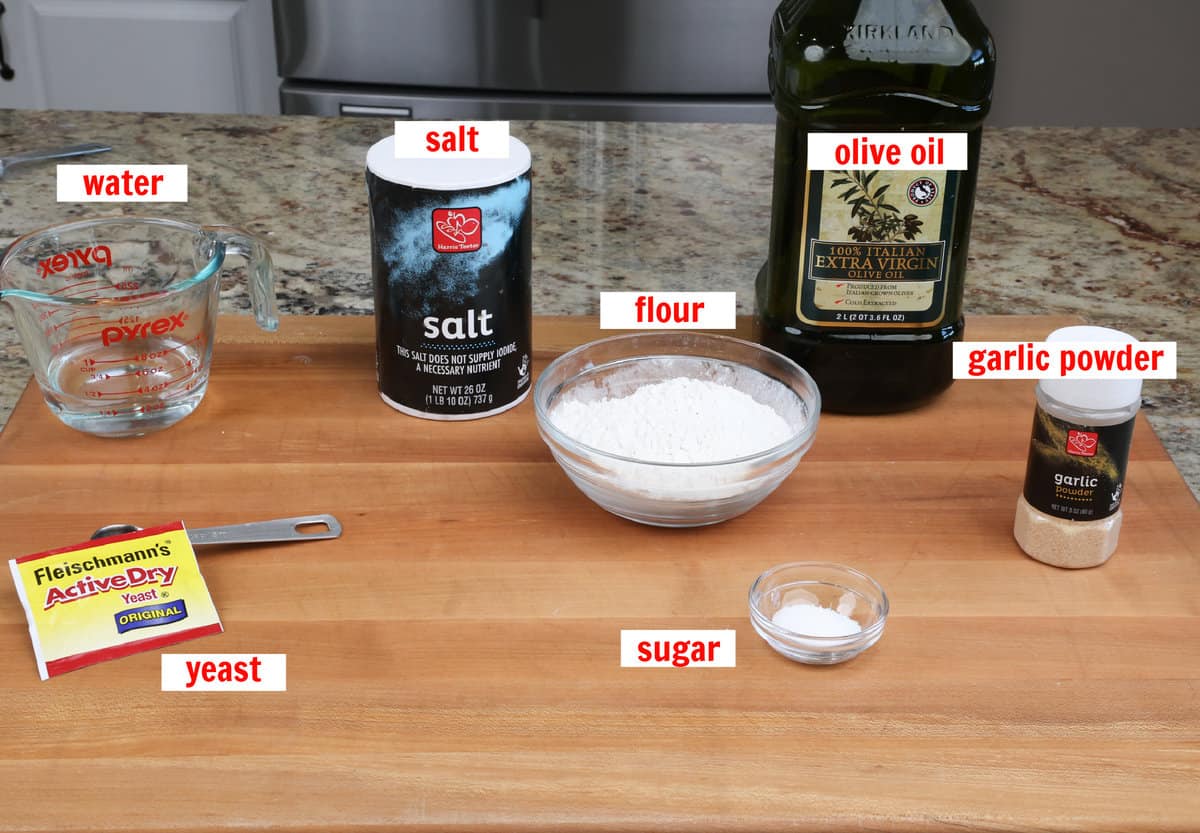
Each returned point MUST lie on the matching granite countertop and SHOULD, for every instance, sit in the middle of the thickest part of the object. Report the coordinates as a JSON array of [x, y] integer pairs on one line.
[[1102, 223]]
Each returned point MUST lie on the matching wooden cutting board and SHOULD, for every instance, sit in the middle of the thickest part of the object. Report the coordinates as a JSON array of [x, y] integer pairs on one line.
[[453, 658]]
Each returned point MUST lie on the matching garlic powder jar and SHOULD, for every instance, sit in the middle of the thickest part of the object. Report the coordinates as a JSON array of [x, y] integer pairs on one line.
[[1069, 513]]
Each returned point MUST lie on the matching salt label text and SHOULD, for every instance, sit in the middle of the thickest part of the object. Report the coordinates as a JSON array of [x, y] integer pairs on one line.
[[451, 140]]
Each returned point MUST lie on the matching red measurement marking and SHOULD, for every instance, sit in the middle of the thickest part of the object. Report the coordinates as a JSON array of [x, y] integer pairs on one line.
[[143, 357], [117, 361], [70, 321], [157, 293], [74, 286], [97, 394]]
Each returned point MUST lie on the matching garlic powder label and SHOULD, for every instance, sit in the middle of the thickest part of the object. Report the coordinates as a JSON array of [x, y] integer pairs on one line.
[[1076, 472]]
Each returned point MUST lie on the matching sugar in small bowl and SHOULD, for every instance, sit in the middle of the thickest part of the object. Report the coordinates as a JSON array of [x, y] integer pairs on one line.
[[676, 428], [818, 613]]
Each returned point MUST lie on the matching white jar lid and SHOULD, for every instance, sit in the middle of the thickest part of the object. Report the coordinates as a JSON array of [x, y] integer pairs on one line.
[[457, 174], [1092, 394]]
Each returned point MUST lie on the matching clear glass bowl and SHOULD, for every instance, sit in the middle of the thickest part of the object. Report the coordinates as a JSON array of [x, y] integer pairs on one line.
[[677, 494], [833, 586]]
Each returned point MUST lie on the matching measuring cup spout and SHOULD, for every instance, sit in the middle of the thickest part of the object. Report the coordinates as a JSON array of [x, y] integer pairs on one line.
[[260, 273]]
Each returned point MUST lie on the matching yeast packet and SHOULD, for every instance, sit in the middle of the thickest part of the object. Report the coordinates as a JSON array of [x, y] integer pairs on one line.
[[113, 597]]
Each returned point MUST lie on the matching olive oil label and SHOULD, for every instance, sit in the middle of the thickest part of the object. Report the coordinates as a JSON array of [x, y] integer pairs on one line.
[[1076, 472], [876, 248]]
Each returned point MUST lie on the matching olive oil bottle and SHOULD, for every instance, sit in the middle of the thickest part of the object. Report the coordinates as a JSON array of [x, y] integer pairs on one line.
[[864, 275]]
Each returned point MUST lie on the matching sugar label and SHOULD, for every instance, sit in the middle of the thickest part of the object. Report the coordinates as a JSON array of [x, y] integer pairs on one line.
[[678, 648]]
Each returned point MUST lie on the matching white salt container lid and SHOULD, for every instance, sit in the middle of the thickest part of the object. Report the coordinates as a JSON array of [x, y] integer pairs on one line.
[[456, 174], [1092, 394]]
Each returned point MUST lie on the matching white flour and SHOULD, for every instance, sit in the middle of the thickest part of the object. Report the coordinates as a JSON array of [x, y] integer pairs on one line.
[[679, 420]]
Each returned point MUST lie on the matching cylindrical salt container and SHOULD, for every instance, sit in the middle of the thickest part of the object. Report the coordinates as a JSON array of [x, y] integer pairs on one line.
[[451, 251]]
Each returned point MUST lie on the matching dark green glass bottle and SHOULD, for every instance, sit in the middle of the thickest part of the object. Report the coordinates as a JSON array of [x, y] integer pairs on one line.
[[864, 275]]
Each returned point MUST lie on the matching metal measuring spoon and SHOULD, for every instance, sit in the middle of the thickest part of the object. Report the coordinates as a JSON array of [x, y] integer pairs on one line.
[[52, 153], [258, 532]]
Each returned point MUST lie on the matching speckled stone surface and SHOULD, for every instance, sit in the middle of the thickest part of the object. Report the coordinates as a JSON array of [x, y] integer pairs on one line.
[[1103, 223]]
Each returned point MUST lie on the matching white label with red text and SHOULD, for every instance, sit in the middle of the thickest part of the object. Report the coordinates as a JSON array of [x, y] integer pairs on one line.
[[1064, 360], [678, 649], [122, 183], [668, 310], [887, 151], [224, 672], [451, 140]]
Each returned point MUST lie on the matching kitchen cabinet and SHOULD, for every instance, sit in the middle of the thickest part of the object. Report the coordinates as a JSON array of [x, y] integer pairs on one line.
[[196, 56]]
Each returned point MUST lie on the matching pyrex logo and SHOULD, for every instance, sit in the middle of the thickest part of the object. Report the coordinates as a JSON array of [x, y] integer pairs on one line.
[[158, 327], [457, 229], [77, 258]]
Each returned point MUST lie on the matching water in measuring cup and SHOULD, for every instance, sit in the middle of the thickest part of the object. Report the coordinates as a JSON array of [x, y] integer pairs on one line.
[[123, 391]]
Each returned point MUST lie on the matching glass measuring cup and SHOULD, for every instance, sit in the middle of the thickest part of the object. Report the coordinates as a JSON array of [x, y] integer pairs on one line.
[[117, 315]]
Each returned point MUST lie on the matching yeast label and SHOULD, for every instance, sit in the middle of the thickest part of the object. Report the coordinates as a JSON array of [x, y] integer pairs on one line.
[[224, 672], [451, 140], [887, 151], [122, 183]]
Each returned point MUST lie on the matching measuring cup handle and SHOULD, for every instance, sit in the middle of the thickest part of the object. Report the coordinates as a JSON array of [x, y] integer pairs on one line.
[[260, 273]]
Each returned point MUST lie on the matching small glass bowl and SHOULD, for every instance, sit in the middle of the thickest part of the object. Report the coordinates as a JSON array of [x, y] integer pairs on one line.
[[834, 586], [677, 494]]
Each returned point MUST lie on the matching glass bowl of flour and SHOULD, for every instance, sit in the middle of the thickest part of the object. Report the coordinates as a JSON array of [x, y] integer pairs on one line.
[[674, 428]]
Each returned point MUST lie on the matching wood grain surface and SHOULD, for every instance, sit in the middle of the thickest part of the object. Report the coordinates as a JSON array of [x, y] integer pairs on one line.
[[453, 658]]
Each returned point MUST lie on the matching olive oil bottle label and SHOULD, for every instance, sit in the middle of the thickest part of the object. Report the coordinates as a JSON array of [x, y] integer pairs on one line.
[[876, 248], [1075, 471]]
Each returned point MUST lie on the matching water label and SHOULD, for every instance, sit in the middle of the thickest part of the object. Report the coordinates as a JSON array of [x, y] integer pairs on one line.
[[122, 183]]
